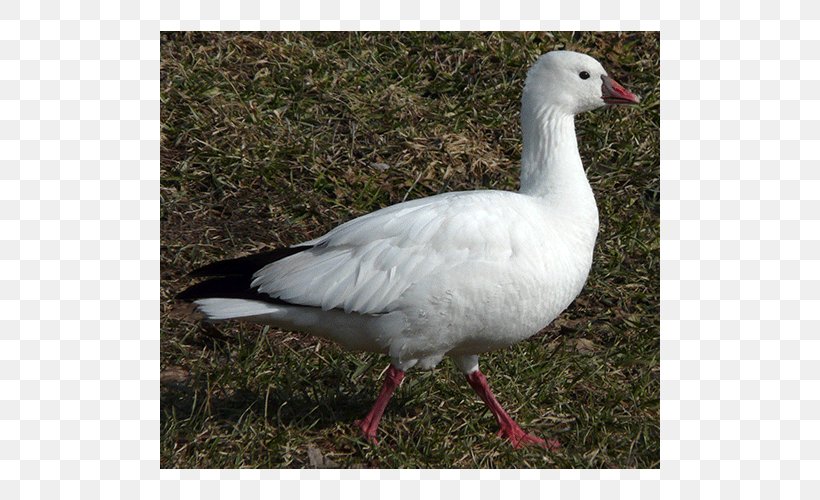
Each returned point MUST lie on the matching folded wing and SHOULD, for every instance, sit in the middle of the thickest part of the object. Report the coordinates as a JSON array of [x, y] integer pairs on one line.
[[365, 265]]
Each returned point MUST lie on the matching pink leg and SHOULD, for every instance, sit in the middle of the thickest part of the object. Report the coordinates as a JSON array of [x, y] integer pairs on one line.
[[509, 428], [370, 424]]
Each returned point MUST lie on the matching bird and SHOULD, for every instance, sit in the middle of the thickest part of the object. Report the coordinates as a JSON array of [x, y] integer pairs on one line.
[[457, 274]]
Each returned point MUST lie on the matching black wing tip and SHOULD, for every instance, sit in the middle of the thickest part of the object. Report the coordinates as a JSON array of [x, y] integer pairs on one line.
[[246, 265], [226, 287], [232, 278], [191, 293]]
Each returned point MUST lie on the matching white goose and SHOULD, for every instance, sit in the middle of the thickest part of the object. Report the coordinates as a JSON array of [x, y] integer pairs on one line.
[[457, 274]]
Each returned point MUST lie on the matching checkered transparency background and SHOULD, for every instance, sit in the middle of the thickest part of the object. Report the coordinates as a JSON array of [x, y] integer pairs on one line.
[[79, 249]]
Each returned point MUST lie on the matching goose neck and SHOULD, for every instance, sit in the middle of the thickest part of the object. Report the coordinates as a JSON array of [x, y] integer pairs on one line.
[[551, 165]]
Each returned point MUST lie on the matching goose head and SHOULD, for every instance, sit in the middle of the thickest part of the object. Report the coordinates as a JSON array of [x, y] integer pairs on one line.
[[571, 83]]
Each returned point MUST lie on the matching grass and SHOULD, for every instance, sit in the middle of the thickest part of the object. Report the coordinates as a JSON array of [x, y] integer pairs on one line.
[[270, 139]]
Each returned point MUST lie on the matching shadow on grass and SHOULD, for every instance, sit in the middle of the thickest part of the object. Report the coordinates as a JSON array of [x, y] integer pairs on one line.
[[319, 405]]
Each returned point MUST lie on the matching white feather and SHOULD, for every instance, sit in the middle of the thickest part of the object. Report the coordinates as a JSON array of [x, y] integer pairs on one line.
[[221, 309]]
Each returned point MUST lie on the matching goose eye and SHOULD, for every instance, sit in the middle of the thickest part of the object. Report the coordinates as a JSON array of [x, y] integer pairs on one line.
[[584, 75]]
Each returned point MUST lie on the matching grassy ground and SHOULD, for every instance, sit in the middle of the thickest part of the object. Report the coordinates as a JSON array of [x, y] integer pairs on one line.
[[270, 139]]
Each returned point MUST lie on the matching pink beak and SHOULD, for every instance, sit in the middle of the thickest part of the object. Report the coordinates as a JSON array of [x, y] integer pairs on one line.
[[613, 93]]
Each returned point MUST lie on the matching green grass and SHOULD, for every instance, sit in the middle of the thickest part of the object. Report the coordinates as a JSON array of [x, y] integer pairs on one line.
[[270, 139]]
